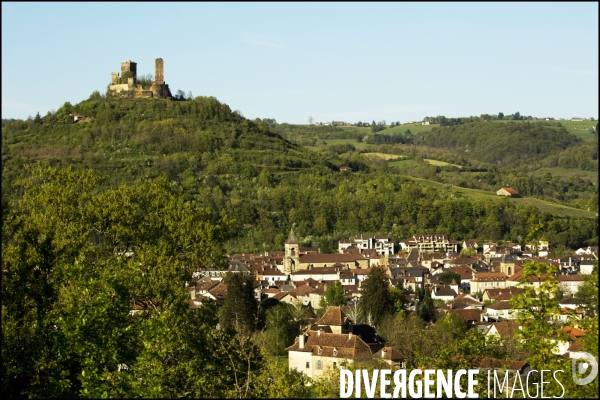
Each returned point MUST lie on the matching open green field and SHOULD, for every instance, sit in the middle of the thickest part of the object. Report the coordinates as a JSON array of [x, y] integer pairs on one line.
[[567, 172], [577, 128], [440, 163], [404, 163], [353, 142], [382, 155], [544, 206], [414, 128]]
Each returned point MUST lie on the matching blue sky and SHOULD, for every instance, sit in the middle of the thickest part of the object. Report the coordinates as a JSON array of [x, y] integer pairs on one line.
[[332, 61]]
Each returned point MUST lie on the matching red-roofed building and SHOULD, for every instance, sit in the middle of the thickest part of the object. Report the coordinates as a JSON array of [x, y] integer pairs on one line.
[[508, 192]]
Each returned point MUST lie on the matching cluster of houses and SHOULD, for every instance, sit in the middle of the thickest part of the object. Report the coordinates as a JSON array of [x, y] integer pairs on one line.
[[488, 280]]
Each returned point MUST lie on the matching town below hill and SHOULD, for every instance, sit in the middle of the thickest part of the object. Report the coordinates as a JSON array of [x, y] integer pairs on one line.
[[173, 242]]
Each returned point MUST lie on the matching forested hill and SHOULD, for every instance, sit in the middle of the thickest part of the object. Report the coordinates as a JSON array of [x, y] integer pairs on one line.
[[133, 138], [243, 170], [503, 145]]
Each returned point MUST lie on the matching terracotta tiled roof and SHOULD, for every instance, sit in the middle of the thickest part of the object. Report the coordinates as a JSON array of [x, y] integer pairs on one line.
[[330, 258], [467, 300], [489, 277], [301, 290], [468, 314], [333, 316], [389, 353], [220, 292], [464, 271], [509, 190], [501, 305], [575, 346], [573, 333], [280, 295], [273, 272], [506, 329], [270, 290], [347, 346]]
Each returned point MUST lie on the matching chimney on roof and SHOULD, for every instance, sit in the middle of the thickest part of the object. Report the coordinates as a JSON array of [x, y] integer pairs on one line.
[[301, 339], [349, 335], [319, 332], [383, 352]]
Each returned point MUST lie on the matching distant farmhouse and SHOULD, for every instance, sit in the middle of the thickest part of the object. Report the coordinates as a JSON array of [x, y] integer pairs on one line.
[[508, 192], [158, 89]]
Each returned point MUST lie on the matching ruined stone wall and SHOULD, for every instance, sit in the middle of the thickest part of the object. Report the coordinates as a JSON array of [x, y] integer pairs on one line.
[[158, 90], [119, 88], [161, 91], [129, 66]]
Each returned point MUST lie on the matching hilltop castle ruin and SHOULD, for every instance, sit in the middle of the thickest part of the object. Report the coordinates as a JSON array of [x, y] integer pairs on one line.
[[158, 89]]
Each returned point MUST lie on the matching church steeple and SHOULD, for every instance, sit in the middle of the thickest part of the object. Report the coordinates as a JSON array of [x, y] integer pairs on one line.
[[291, 260], [291, 238]]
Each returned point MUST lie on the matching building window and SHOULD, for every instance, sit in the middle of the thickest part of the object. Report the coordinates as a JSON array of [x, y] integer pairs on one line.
[[307, 365], [319, 364]]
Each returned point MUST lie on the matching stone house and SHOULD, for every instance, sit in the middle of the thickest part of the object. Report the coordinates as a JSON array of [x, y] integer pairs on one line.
[[327, 344], [487, 280], [390, 356]]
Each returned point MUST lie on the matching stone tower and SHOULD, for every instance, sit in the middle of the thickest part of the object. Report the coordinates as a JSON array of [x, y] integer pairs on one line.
[[129, 66], [507, 264], [159, 71], [291, 259]]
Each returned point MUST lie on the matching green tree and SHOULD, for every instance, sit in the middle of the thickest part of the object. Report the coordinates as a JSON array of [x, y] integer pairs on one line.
[[67, 292], [426, 308], [240, 308], [539, 334], [333, 296], [399, 299], [276, 380], [448, 276], [375, 300], [468, 251], [587, 294], [280, 329]]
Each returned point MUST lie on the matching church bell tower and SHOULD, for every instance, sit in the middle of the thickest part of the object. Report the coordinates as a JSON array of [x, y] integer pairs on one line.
[[291, 260]]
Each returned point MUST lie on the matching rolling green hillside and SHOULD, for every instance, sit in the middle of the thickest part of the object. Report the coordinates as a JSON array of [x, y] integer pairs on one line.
[[266, 177]]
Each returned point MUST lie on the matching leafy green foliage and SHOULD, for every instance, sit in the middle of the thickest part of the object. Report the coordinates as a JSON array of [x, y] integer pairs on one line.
[[448, 276], [281, 328], [67, 292], [240, 309], [375, 300], [501, 144], [333, 296]]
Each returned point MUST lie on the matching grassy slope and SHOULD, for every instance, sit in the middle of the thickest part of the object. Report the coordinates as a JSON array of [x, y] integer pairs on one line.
[[577, 128], [544, 206], [567, 172]]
